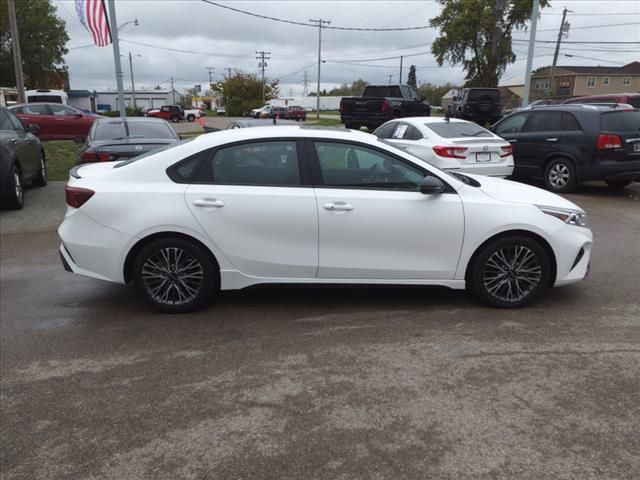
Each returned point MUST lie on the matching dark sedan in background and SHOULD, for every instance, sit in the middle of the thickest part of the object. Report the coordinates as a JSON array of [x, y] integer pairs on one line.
[[112, 139], [55, 121], [264, 122], [21, 160]]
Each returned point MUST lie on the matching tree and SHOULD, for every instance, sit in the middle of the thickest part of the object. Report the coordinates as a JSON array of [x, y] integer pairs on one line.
[[42, 41], [243, 91], [467, 31], [434, 93], [356, 88], [412, 80]]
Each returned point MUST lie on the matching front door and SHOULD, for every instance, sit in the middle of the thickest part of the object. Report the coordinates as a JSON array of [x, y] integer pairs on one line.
[[373, 221], [255, 205], [71, 123]]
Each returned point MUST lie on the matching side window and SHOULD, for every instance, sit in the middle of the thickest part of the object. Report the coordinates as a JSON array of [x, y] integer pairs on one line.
[[412, 133], [259, 163], [5, 123], [33, 110], [543, 122], [62, 110], [164, 109], [570, 123], [15, 122], [512, 124], [350, 166], [386, 131]]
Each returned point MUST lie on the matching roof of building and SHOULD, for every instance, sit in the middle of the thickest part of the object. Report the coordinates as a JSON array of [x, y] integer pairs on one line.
[[79, 93], [632, 68], [138, 92]]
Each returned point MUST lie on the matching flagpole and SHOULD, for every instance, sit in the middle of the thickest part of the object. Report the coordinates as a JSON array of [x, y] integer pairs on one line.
[[116, 58]]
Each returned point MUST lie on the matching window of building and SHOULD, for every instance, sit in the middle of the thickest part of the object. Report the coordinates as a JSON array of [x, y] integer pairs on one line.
[[542, 85], [591, 82], [626, 81], [605, 81]]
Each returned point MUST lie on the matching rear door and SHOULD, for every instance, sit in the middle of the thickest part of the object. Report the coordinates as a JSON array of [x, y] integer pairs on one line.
[[510, 129], [541, 135], [24, 144], [255, 202]]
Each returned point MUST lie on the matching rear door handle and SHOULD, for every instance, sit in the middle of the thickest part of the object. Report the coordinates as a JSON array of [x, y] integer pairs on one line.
[[208, 202], [552, 139], [515, 140], [341, 206]]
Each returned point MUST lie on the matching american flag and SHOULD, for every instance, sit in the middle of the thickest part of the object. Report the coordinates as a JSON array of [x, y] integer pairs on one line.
[[93, 16]]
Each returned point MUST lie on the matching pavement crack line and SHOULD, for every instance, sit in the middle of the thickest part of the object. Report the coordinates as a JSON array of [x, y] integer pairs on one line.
[[547, 352]]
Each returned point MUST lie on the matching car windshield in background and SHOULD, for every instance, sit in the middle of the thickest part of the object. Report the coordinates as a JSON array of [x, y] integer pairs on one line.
[[475, 94], [382, 92], [116, 130], [153, 152], [621, 121], [458, 129]]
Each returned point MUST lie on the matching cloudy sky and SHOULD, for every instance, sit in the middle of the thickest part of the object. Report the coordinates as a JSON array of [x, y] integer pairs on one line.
[[179, 38]]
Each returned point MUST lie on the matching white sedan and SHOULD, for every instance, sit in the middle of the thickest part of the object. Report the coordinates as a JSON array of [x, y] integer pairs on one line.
[[317, 206], [451, 144]]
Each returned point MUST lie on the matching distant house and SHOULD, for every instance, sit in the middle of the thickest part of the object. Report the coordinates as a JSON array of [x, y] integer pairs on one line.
[[571, 81], [82, 99], [447, 98]]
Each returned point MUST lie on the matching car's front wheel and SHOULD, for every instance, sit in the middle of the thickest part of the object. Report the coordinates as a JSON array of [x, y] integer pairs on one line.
[[510, 272], [175, 275], [191, 117], [560, 176], [40, 179]]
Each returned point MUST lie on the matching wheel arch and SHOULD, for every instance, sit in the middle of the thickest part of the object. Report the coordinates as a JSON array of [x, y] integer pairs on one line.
[[525, 233], [140, 244]]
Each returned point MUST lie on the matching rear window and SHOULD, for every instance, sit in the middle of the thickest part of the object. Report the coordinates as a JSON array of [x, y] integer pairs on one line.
[[476, 94], [112, 130], [383, 91], [44, 98], [152, 152], [620, 121], [458, 129]]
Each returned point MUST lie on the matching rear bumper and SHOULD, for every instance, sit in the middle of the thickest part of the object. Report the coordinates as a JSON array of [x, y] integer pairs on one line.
[[495, 170], [613, 170]]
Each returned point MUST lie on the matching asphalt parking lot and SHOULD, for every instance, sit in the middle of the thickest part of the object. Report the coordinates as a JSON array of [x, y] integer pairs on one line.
[[331, 382]]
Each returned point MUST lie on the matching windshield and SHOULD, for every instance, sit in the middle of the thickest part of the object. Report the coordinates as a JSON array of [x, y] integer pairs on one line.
[[458, 129], [113, 130], [621, 121], [384, 91], [152, 152]]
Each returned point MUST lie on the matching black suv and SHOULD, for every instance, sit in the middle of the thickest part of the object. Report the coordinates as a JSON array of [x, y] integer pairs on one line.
[[480, 105], [568, 144]]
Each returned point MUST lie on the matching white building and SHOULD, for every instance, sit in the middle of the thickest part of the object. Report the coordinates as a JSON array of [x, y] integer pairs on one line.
[[108, 100], [308, 103]]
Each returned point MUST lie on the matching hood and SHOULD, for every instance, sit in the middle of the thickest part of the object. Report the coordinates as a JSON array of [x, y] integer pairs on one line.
[[514, 192]]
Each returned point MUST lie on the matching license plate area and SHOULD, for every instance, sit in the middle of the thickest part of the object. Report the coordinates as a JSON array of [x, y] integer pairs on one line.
[[483, 157]]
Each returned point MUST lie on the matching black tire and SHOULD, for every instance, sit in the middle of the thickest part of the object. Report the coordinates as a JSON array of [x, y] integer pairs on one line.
[[158, 276], [175, 118], [560, 176], [14, 197], [191, 117], [40, 179], [617, 184], [508, 263], [353, 126]]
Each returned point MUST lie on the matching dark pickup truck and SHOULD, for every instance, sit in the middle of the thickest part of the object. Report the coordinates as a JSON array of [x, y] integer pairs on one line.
[[380, 103]]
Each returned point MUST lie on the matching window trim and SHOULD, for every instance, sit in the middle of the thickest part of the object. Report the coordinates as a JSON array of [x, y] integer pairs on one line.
[[199, 170], [595, 82], [318, 179], [605, 81], [625, 82]]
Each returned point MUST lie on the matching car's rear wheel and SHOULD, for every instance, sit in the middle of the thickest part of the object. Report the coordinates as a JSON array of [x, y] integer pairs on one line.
[[616, 184], [560, 176], [14, 198], [510, 272], [191, 117], [41, 178], [175, 119], [175, 275]]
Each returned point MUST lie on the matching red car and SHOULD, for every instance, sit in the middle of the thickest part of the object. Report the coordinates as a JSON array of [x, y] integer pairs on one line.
[[55, 121], [296, 113]]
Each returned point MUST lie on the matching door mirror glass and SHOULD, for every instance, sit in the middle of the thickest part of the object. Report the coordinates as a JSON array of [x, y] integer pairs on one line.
[[431, 184]]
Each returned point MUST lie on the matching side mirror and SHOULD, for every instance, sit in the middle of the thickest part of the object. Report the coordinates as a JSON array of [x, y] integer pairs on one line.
[[431, 184], [422, 98], [78, 115], [32, 128], [78, 139]]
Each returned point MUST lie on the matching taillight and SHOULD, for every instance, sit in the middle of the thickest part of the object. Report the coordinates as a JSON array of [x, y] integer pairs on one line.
[[384, 106], [93, 156], [76, 196], [450, 152], [608, 141], [506, 151]]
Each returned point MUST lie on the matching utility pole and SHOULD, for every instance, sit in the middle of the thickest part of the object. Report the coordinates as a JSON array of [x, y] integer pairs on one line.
[[15, 44], [211, 69], [229, 70], [305, 91], [492, 64], [400, 77], [173, 93], [320, 22], [390, 75], [133, 85], [262, 56], [564, 30], [532, 43], [116, 59]]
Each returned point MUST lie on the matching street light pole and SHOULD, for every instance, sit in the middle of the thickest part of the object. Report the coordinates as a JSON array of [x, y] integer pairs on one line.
[[532, 43], [15, 44], [116, 59]]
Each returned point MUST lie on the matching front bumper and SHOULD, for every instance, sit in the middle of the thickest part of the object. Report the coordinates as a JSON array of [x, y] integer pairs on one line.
[[572, 247]]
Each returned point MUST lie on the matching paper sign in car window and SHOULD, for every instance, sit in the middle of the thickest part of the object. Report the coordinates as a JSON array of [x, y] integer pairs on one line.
[[399, 131]]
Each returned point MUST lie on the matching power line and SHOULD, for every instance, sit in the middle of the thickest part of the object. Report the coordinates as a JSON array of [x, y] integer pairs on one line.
[[193, 52], [594, 26], [303, 24]]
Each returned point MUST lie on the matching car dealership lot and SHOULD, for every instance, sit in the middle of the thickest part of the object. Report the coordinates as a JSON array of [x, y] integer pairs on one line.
[[328, 382]]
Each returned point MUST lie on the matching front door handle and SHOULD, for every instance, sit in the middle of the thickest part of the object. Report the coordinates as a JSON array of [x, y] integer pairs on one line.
[[208, 202], [515, 140], [552, 139], [341, 206]]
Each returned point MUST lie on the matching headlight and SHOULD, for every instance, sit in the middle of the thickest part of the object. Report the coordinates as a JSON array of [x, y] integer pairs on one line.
[[570, 217]]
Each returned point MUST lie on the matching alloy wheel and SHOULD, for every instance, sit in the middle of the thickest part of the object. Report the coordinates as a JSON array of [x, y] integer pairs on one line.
[[559, 175], [512, 273], [17, 181], [172, 276]]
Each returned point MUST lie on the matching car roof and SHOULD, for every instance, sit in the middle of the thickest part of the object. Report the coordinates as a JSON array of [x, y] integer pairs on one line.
[[41, 103], [131, 120], [602, 96]]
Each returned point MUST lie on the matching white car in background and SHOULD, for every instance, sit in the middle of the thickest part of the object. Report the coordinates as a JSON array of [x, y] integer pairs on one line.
[[295, 204], [451, 144]]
